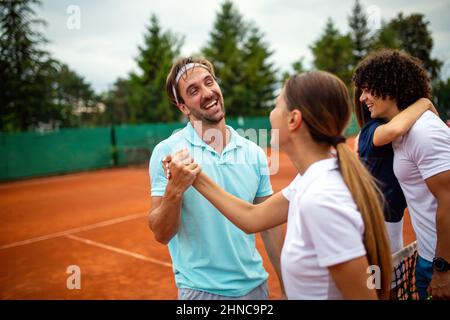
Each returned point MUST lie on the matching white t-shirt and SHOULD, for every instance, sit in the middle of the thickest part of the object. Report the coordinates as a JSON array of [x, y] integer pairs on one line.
[[324, 228], [420, 154]]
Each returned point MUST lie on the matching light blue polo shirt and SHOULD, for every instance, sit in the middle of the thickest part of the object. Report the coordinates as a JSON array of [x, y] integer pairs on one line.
[[208, 252]]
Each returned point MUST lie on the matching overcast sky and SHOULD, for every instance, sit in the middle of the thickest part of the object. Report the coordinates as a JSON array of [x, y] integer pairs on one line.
[[104, 46]]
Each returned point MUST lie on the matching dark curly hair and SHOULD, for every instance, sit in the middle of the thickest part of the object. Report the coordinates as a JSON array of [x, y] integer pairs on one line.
[[390, 74]]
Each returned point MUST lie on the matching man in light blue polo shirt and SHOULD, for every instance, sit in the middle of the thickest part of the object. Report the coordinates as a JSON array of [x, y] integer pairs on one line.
[[212, 258]]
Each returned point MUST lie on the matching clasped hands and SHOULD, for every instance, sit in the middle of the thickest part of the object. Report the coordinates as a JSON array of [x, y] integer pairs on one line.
[[181, 169]]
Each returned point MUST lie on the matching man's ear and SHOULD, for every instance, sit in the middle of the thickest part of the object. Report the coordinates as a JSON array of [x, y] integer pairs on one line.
[[184, 109], [295, 120]]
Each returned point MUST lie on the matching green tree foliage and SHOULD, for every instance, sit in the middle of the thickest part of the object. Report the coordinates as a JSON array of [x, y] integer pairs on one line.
[[385, 37], [415, 38], [35, 88], [297, 67], [224, 50], [147, 98], [441, 95], [259, 75], [22, 65], [72, 99], [116, 100], [408, 33], [333, 52], [360, 33], [241, 60]]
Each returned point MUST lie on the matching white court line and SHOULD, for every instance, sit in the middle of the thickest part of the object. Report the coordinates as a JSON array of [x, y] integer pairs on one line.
[[75, 230], [118, 250]]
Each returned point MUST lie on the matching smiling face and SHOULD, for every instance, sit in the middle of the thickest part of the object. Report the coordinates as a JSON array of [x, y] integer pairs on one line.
[[378, 107], [202, 96]]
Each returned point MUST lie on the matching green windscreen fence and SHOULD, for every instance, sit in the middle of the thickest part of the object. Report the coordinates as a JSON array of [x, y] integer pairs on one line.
[[29, 154], [134, 143], [352, 128]]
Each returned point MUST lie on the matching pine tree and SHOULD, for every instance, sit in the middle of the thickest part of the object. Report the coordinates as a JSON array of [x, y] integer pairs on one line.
[[259, 75], [441, 95], [116, 100], [69, 92], [360, 33], [297, 67], [147, 100], [385, 37], [333, 52], [415, 38], [224, 50], [22, 95], [35, 88], [241, 60]]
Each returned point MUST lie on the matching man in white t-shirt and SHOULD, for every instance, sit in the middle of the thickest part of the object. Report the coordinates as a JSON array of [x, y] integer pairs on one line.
[[391, 81]]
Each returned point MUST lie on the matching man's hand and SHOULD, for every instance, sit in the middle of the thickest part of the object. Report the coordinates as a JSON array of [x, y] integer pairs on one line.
[[181, 169], [439, 287]]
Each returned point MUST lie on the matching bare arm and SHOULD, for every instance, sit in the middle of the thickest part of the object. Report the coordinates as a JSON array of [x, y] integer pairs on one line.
[[273, 242], [246, 216], [439, 186], [351, 279], [401, 123], [164, 217], [165, 214]]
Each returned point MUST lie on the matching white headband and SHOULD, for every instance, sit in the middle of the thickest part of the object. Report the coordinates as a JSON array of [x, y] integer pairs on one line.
[[182, 71]]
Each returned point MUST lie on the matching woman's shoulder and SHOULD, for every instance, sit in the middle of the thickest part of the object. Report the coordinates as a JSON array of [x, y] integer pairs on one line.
[[372, 125], [330, 188], [330, 198]]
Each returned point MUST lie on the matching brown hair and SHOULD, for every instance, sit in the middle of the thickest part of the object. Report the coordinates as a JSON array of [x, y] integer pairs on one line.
[[176, 67], [361, 112], [324, 102]]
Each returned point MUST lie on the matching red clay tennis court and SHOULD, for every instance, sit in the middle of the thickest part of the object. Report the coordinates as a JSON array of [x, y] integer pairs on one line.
[[97, 221]]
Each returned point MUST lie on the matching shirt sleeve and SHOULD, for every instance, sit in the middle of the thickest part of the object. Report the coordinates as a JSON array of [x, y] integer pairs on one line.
[[365, 143], [265, 187], [287, 192], [366, 148], [158, 180], [336, 230], [430, 151]]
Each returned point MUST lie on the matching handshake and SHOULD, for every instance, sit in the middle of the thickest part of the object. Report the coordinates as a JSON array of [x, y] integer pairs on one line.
[[181, 169]]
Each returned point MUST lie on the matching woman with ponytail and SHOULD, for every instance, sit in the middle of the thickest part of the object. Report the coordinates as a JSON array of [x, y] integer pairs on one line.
[[335, 228]]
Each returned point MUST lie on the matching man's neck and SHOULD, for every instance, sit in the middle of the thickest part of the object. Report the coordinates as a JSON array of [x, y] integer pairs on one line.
[[214, 134]]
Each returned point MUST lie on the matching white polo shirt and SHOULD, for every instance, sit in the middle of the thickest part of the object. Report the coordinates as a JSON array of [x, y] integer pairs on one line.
[[420, 154], [324, 228]]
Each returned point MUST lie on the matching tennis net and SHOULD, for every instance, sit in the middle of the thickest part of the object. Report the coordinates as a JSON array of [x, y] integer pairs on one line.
[[403, 285]]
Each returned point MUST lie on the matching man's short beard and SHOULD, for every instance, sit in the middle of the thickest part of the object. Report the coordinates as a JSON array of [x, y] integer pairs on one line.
[[206, 119]]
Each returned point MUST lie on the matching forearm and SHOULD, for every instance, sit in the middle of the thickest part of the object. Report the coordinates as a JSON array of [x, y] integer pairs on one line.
[[401, 123], [165, 219], [273, 242], [443, 229], [239, 212]]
